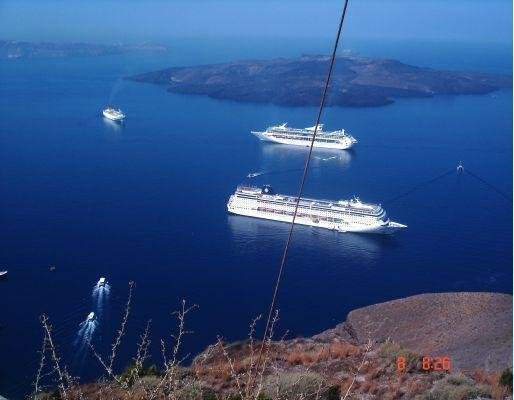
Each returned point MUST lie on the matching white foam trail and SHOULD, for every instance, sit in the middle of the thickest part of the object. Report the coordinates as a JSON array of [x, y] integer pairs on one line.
[[84, 337], [100, 296], [254, 174]]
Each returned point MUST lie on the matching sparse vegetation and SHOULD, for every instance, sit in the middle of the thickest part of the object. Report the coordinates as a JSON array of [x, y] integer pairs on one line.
[[296, 369], [391, 351], [457, 387], [506, 379]]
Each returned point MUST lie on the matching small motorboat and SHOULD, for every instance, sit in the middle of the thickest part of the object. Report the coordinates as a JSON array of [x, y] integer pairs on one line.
[[101, 281], [91, 316], [3, 274]]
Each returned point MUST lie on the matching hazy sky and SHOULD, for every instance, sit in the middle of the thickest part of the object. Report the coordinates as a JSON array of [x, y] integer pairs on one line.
[[137, 20]]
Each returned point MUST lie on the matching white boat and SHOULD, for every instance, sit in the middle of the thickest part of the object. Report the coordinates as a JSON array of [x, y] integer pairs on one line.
[[91, 316], [3, 274], [339, 215], [283, 134], [101, 282], [113, 114]]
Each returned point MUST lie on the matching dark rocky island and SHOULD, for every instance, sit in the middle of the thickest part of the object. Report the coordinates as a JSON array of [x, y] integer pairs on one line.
[[11, 49], [356, 82]]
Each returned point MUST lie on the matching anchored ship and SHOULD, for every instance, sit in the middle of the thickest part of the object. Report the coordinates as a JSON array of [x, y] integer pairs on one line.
[[113, 114], [302, 137], [340, 215]]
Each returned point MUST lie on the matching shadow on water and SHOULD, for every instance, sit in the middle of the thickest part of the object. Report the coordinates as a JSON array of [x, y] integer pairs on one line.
[[112, 127], [249, 232], [273, 152]]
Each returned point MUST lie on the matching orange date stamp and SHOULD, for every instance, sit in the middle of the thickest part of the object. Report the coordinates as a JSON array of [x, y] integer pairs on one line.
[[427, 364]]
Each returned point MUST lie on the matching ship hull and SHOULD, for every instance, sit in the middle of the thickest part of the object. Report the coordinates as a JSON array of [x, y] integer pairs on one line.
[[346, 144], [385, 228]]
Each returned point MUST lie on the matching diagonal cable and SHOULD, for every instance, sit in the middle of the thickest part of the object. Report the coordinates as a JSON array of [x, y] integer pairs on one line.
[[302, 182]]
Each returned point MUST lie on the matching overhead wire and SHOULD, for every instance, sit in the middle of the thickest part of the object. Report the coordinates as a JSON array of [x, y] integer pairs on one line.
[[302, 183], [488, 184]]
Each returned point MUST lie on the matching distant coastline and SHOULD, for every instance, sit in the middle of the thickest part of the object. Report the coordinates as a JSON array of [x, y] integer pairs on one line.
[[356, 82], [13, 50]]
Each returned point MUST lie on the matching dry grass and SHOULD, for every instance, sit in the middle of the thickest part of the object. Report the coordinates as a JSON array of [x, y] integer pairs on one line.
[[457, 387], [298, 369], [491, 380], [335, 350]]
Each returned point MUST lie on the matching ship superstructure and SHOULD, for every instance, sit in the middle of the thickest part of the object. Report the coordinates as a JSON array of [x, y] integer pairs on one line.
[[340, 215], [302, 137]]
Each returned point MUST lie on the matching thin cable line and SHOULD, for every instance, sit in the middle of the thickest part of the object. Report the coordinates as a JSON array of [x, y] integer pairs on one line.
[[300, 191], [490, 185]]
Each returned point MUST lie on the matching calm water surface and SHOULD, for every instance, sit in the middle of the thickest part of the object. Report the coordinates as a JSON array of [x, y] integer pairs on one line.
[[146, 201]]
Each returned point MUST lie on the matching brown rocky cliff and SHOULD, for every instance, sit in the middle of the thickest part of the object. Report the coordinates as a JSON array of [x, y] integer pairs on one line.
[[474, 329]]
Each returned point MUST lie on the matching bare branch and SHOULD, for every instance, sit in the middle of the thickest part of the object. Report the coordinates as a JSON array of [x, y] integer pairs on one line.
[[367, 348], [121, 331], [62, 375]]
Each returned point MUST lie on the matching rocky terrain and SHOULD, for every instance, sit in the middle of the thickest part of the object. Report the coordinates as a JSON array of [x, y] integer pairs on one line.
[[474, 329], [356, 81], [358, 359], [11, 49]]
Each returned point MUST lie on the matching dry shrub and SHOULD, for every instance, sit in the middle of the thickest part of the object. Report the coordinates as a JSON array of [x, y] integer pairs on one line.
[[491, 379], [393, 394], [293, 385], [340, 350], [457, 387], [300, 357], [332, 351], [374, 373], [391, 351], [416, 386], [366, 386]]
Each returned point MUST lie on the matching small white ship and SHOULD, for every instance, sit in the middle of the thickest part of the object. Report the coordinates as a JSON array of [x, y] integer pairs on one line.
[[91, 316], [340, 215], [340, 139], [101, 281], [113, 114]]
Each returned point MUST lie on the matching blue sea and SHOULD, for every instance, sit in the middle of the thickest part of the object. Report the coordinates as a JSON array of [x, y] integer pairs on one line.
[[145, 201]]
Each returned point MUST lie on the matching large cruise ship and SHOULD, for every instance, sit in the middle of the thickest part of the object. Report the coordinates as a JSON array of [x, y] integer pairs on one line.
[[340, 215], [113, 114], [302, 137]]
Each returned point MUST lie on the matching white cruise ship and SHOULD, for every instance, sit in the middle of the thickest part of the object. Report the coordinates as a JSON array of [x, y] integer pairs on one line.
[[113, 114], [340, 215], [302, 137]]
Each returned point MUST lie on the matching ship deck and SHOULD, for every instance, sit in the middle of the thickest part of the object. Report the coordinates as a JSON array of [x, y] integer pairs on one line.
[[370, 209]]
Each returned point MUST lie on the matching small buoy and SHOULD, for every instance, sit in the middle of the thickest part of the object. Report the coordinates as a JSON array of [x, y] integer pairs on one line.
[[460, 167]]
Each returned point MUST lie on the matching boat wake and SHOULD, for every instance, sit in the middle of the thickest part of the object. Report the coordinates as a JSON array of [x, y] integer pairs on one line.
[[255, 174], [84, 337], [100, 296], [326, 159]]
